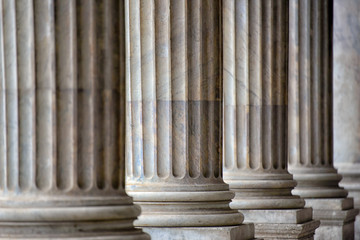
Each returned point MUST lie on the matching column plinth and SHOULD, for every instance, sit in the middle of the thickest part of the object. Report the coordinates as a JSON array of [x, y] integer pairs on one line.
[[174, 106], [310, 119], [255, 127], [61, 128]]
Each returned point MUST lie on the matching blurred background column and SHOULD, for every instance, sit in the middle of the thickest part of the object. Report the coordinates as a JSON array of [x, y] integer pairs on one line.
[[310, 119], [346, 88], [255, 119]]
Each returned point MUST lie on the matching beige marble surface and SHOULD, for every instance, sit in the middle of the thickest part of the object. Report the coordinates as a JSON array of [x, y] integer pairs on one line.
[[310, 119], [255, 76], [62, 101], [310, 101], [174, 114], [255, 128], [346, 97]]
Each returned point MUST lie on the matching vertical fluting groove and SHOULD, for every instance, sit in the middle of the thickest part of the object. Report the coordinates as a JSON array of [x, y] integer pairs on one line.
[[3, 144], [100, 96], [65, 33], [229, 74], [304, 82], [293, 103], [322, 114], [280, 83], [259, 79], [211, 73], [326, 56], [175, 102], [45, 93], [255, 88], [242, 87], [26, 88], [315, 114], [293, 122], [135, 86], [148, 85], [277, 123], [11, 95], [113, 21], [122, 100], [205, 100], [87, 74], [179, 87], [109, 52], [163, 87], [219, 93], [267, 82], [129, 155], [195, 78]]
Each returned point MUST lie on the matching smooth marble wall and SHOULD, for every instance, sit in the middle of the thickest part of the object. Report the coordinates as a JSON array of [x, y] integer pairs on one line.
[[346, 79]]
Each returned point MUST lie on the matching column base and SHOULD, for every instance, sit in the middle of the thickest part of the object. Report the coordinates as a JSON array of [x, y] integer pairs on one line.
[[351, 178], [243, 231], [282, 223], [186, 209], [70, 222], [68, 231], [337, 216]]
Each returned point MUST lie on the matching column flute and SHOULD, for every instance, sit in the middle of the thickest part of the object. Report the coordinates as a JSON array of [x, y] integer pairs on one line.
[[255, 119], [310, 119], [174, 107], [61, 128]]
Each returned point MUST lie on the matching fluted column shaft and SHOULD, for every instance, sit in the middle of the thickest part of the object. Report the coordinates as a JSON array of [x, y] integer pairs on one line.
[[174, 106], [310, 119], [310, 100], [255, 99], [62, 104]]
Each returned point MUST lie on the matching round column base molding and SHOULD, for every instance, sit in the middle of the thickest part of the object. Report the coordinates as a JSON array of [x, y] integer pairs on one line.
[[168, 196], [186, 209], [58, 231], [320, 192], [264, 194], [254, 184], [318, 185], [69, 214], [196, 218], [79, 222]]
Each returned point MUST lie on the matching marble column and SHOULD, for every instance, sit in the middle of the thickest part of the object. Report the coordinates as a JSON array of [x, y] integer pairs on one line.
[[346, 88], [62, 105], [174, 106], [255, 127], [310, 119]]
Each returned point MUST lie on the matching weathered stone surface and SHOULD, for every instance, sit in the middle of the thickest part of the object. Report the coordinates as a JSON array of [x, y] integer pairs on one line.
[[336, 216], [278, 215], [282, 223], [255, 105], [303, 231], [255, 37], [61, 119], [346, 79], [310, 117], [174, 113], [245, 231]]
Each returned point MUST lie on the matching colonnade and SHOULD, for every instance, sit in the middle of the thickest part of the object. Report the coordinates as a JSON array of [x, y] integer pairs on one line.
[[310, 120], [192, 107]]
